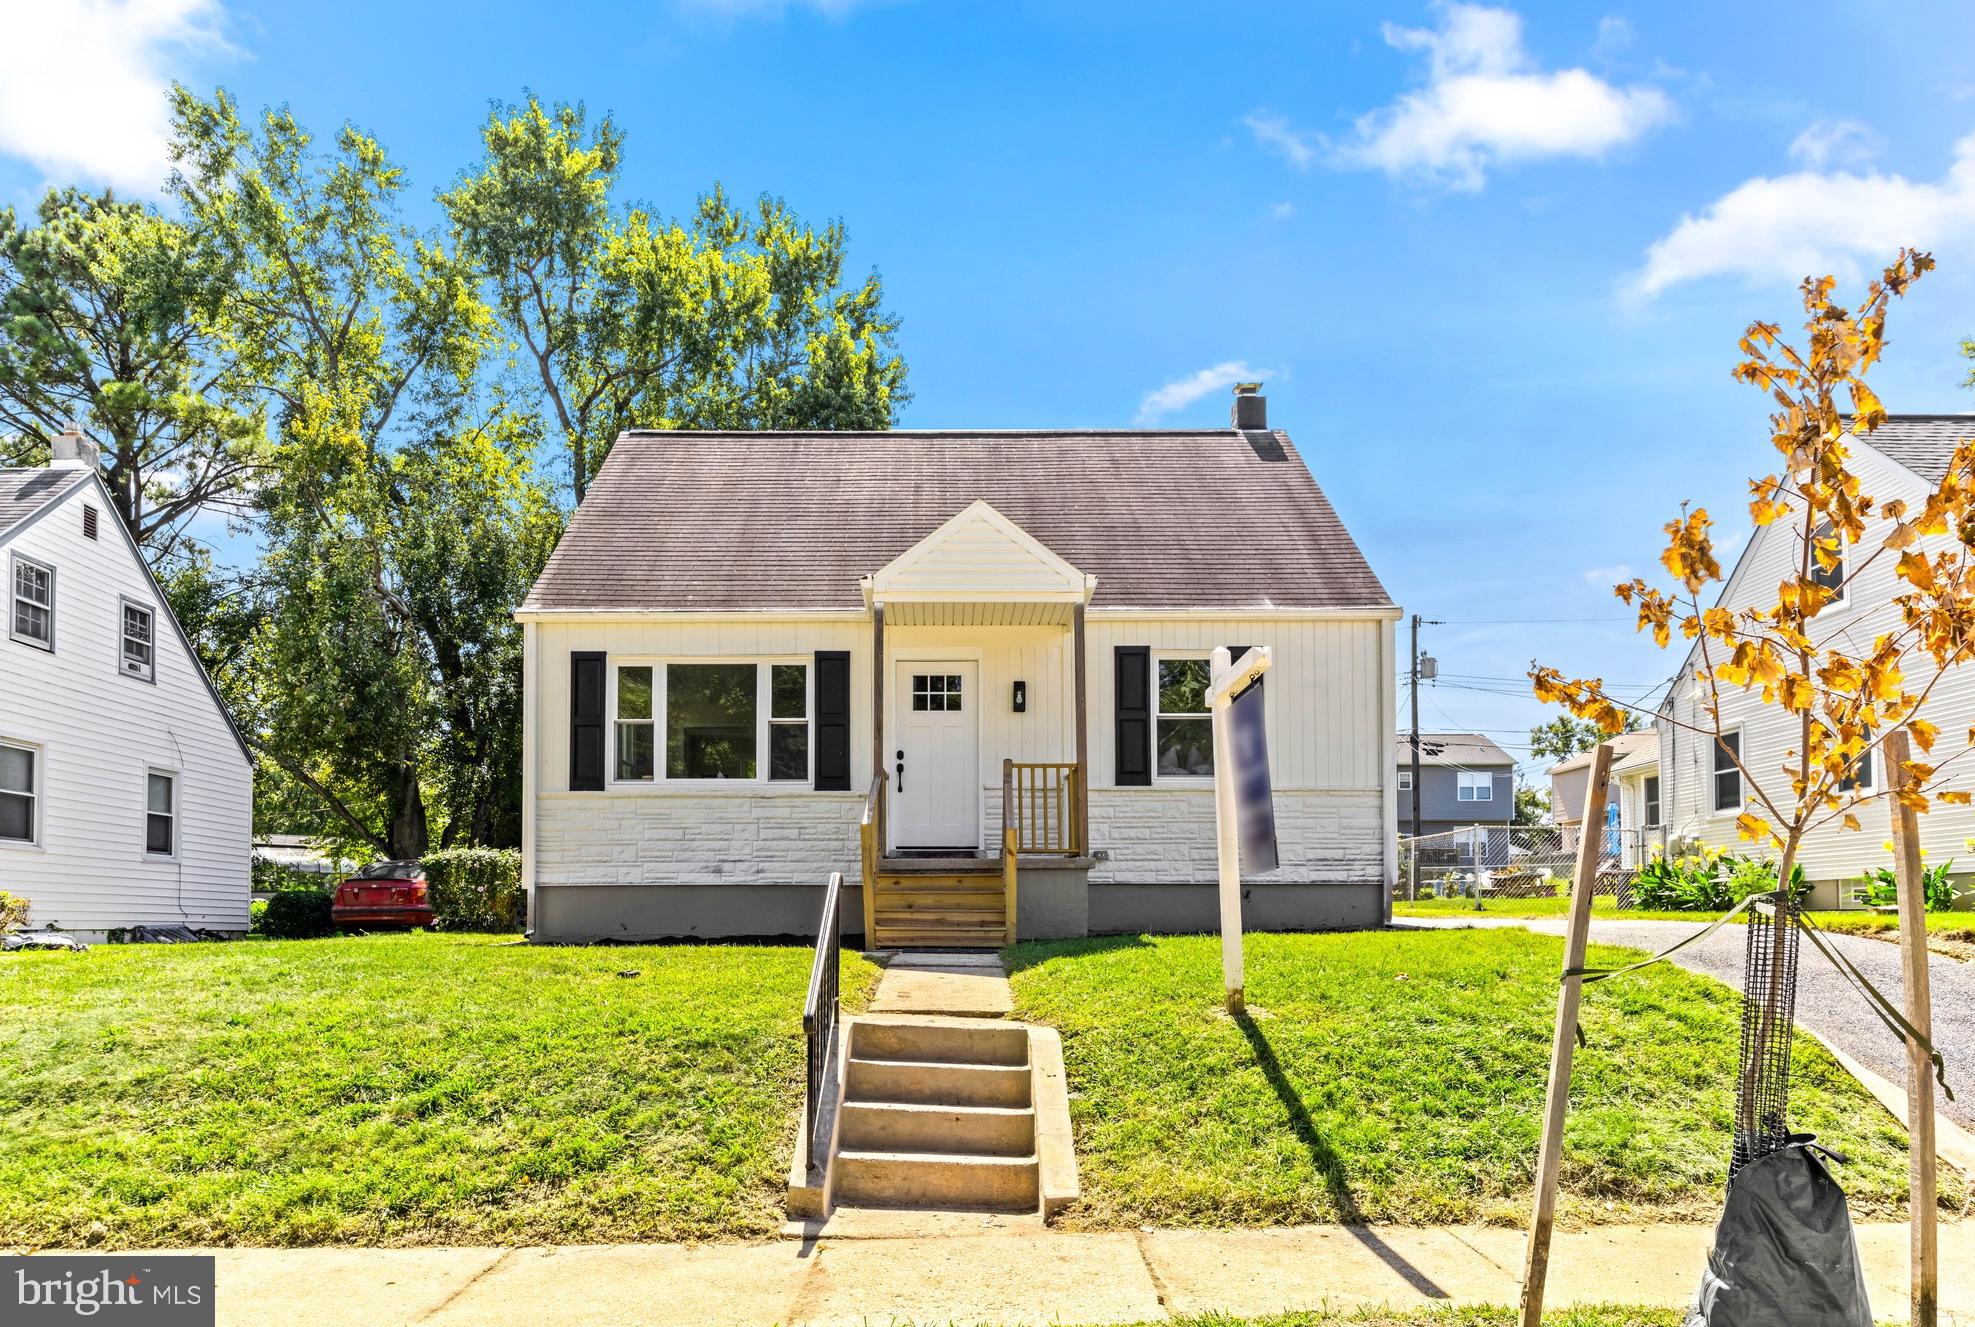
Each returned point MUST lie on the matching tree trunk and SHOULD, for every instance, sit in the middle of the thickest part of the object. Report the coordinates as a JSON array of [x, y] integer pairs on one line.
[[408, 827]]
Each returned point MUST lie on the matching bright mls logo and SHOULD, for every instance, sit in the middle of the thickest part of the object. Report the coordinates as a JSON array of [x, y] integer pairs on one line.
[[156, 1291]]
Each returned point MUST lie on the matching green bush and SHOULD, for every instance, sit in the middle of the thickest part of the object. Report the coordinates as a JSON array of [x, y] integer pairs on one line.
[[1709, 883], [1881, 888], [476, 889], [256, 916], [297, 914], [13, 911]]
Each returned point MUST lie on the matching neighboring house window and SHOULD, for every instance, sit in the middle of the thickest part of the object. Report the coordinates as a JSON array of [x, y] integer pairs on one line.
[[1477, 786], [32, 621], [18, 799], [160, 814], [1405, 780], [1727, 775], [1859, 776], [788, 721], [1652, 800], [1831, 577], [636, 726], [139, 647], [1183, 729], [709, 720]]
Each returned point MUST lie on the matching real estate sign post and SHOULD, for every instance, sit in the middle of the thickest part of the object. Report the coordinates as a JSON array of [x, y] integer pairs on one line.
[[1244, 815], [1922, 1179], [1536, 1265]]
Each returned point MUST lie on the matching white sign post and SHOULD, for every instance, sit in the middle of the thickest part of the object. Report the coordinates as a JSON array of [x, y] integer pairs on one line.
[[1229, 680]]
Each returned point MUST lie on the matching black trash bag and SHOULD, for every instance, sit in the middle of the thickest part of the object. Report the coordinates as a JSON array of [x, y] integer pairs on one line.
[[1784, 1254]]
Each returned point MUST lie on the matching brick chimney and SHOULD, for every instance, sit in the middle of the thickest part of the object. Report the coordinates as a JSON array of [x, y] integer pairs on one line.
[[72, 450], [1251, 408]]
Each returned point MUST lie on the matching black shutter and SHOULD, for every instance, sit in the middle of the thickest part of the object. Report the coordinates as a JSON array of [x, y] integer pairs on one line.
[[586, 704], [832, 721], [1132, 715]]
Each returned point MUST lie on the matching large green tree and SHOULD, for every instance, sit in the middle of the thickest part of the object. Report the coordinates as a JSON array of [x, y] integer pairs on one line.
[[736, 318], [107, 320]]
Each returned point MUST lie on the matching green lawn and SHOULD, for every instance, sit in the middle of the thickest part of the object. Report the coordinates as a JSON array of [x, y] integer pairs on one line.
[[409, 1089], [1957, 927], [1399, 1076]]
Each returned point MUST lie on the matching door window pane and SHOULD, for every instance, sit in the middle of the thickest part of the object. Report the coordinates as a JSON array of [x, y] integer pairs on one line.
[[709, 721]]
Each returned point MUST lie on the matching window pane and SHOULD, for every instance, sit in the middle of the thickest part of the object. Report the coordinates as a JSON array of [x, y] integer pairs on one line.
[[634, 750], [160, 794], [634, 693], [136, 624], [157, 834], [1727, 747], [709, 721], [16, 817], [788, 751], [16, 770], [1183, 686], [1186, 746], [788, 688]]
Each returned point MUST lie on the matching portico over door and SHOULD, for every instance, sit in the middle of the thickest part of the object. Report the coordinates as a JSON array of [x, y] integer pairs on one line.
[[935, 760]]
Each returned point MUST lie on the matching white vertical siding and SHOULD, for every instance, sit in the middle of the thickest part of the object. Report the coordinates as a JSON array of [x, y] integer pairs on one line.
[[99, 733]]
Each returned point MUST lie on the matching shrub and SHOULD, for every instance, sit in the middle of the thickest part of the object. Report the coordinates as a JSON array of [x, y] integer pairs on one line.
[[476, 889], [297, 914], [1709, 883], [13, 911], [256, 916], [1881, 888]]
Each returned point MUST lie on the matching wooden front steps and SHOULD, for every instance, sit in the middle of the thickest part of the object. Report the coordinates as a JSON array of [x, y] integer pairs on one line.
[[939, 903]]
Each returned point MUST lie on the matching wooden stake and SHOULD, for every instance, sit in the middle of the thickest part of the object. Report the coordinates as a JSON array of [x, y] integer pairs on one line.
[[1536, 1264], [1921, 1175]]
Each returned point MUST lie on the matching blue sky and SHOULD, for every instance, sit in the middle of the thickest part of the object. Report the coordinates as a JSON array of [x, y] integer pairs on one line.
[[1491, 262]]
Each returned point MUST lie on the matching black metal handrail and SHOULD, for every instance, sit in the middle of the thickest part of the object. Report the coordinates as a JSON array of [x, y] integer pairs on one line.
[[820, 1009]]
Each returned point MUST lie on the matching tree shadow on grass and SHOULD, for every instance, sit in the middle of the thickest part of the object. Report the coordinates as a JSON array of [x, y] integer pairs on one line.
[[1328, 1164]]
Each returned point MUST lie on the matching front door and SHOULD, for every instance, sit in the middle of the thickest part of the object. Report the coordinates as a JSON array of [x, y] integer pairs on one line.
[[936, 756]]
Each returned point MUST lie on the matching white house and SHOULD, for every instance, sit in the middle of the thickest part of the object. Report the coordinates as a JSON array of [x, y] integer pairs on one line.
[[1904, 458], [748, 645], [126, 795], [1634, 811]]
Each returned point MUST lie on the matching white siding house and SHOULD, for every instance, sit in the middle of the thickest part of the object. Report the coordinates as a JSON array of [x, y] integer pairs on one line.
[[747, 644], [1905, 458], [125, 792]]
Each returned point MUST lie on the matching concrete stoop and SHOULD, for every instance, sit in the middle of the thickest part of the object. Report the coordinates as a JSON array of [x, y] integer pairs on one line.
[[947, 1114]]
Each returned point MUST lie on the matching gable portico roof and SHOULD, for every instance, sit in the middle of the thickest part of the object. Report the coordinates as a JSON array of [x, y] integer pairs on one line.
[[1165, 519]]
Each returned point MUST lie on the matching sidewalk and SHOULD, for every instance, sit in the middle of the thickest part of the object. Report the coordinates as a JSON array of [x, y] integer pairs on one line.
[[1010, 1274]]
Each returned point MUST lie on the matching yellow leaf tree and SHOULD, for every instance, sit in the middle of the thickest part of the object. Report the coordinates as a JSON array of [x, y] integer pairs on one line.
[[1845, 697]]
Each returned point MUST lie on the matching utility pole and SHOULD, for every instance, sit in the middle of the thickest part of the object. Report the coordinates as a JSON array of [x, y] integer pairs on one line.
[[1413, 859]]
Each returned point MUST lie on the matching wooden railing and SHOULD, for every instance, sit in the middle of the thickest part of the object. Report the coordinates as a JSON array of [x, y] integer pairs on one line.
[[819, 1014], [1040, 805], [870, 841]]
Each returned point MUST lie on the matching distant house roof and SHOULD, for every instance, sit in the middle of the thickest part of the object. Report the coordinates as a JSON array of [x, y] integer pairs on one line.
[[1209, 518], [1465, 750], [25, 492], [1629, 751], [1923, 444]]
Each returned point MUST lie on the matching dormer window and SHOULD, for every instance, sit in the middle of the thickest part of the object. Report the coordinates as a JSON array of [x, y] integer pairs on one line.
[[31, 620]]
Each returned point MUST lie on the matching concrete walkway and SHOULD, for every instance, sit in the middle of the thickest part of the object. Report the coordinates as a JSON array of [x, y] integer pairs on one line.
[[1002, 1276], [963, 985]]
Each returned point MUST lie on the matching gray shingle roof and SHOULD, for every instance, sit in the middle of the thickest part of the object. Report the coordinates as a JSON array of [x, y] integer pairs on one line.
[[1463, 749], [1923, 444], [23, 492], [1164, 519]]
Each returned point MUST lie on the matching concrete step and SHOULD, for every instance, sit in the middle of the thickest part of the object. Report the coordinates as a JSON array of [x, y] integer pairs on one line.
[[977, 1041], [891, 1126], [920, 1179], [937, 1083]]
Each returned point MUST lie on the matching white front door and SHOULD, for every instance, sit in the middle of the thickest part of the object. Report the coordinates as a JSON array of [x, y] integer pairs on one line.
[[936, 755]]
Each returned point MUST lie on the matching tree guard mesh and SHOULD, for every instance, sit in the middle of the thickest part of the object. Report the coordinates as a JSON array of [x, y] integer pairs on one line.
[[1769, 1009]]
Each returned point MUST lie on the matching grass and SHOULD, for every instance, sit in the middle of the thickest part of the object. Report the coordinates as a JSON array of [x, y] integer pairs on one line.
[[1950, 933], [1600, 1315], [398, 1090], [1399, 1076]]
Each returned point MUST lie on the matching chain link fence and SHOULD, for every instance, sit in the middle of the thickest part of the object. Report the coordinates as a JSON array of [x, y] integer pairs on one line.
[[1485, 862]]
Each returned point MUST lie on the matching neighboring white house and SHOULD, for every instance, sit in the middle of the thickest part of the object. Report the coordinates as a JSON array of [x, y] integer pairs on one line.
[[748, 642], [1904, 458], [1634, 813], [126, 795]]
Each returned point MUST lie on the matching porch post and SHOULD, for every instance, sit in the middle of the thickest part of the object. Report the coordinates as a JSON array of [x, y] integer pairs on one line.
[[878, 766], [1083, 734]]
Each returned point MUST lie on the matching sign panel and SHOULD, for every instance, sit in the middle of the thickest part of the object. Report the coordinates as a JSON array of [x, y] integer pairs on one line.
[[141, 1289], [1254, 796]]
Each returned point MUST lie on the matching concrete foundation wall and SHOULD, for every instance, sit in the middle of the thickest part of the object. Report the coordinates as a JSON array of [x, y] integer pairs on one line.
[[583, 914], [1117, 909]]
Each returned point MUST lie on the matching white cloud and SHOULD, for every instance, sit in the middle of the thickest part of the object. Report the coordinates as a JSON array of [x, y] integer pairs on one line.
[[1614, 37], [1274, 132], [1811, 223], [1486, 103], [84, 93], [1611, 575], [1282, 211], [1834, 143], [1183, 392]]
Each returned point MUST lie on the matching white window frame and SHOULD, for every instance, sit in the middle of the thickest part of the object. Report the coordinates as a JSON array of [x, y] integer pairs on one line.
[[14, 599], [1206, 716], [1405, 780], [765, 683], [171, 778], [763, 702], [1467, 790], [1650, 806], [38, 777], [1715, 772], [124, 605]]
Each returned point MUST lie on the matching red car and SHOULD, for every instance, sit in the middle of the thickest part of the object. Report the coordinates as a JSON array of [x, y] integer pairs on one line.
[[383, 894]]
